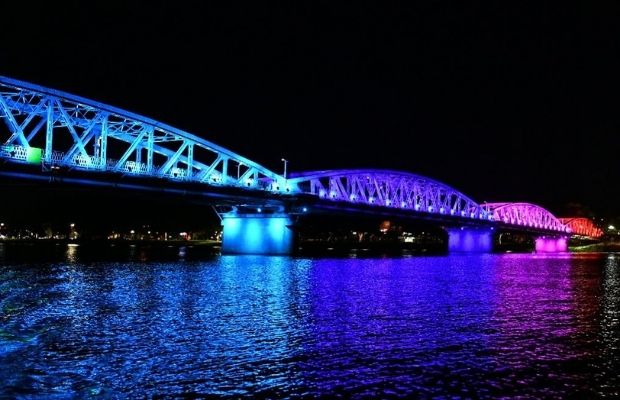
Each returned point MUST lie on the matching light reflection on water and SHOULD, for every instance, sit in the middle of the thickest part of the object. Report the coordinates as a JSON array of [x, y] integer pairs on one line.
[[471, 326]]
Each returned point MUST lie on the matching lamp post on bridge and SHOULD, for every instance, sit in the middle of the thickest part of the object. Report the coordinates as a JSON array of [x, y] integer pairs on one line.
[[285, 163]]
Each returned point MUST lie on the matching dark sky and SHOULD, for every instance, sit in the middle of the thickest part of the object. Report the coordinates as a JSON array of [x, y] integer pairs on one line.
[[506, 102]]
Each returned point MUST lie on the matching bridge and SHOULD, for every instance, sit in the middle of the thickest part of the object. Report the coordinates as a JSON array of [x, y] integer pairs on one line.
[[50, 134]]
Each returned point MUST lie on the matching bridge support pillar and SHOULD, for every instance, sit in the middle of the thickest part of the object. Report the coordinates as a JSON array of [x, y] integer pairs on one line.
[[257, 234], [551, 244], [470, 240]]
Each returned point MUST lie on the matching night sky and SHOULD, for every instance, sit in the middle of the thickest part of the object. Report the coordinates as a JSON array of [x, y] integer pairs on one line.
[[505, 102]]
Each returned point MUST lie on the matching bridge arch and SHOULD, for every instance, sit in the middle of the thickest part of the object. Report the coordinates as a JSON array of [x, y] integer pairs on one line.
[[526, 215], [583, 227], [388, 188], [62, 130]]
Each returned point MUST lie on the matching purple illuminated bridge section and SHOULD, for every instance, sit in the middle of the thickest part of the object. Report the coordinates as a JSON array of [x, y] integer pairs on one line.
[[389, 189], [419, 194], [525, 215]]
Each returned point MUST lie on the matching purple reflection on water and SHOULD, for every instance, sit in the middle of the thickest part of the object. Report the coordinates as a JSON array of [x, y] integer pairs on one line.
[[551, 245], [478, 326]]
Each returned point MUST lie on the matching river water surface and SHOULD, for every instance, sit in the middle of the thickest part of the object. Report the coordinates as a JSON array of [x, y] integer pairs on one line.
[[469, 326]]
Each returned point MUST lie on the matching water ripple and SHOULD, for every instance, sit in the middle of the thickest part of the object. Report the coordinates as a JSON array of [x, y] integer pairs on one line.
[[467, 326]]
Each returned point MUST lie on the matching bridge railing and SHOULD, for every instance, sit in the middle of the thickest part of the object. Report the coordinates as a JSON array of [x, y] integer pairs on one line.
[[20, 154], [17, 153]]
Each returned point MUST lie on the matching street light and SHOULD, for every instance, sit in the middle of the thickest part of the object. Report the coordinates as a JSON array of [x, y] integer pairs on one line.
[[285, 162], [238, 168], [72, 233]]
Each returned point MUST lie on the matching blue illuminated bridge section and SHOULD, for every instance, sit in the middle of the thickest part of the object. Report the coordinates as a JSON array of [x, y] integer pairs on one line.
[[53, 130]]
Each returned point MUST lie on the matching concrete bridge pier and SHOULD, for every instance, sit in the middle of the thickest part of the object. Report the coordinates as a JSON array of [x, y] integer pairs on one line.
[[470, 240], [257, 233], [549, 244]]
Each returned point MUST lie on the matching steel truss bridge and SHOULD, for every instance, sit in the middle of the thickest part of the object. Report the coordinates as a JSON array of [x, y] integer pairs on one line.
[[54, 130]]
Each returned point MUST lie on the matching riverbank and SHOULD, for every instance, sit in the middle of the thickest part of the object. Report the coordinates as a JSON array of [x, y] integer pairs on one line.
[[604, 247], [31, 250], [162, 243], [51, 250]]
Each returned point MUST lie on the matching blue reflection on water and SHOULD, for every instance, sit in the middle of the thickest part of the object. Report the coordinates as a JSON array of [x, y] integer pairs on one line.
[[469, 326]]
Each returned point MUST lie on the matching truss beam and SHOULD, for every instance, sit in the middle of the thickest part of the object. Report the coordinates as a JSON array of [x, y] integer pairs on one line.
[[84, 134]]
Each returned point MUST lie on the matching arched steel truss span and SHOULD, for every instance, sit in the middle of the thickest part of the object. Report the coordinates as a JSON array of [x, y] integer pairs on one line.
[[386, 188], [583, 227], [58, 130], [525, 215], [61, 130]]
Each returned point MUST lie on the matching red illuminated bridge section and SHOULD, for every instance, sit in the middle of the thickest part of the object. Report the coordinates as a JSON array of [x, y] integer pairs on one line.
[[582, 227]]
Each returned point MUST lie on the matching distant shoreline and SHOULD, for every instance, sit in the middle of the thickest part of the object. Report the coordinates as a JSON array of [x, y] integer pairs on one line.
[[310, 247], [604, 247], [207, 243]]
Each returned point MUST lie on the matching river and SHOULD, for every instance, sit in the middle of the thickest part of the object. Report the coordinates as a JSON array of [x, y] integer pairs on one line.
[[469, 326]]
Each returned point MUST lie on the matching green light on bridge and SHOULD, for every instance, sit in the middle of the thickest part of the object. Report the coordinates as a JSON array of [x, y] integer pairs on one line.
[[34, 155]]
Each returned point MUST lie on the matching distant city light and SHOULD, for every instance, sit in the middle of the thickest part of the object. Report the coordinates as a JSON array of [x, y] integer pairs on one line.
[[611, 227]]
